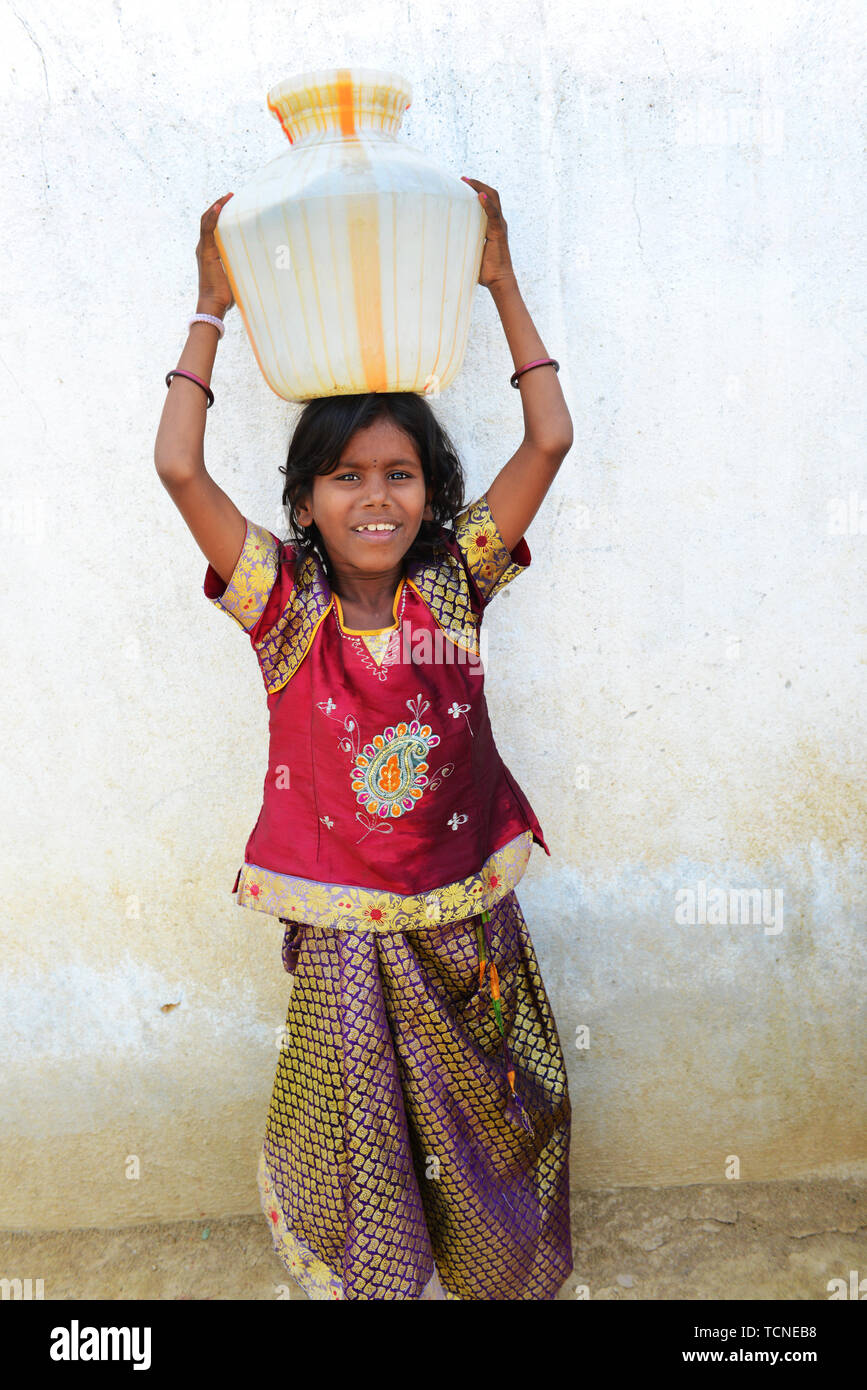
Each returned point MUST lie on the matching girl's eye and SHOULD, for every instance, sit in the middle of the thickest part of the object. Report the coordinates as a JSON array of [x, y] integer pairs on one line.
[[395, 472]]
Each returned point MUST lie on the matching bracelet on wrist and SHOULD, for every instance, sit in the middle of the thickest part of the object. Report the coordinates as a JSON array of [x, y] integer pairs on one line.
[[208, 318], [178, 371], [542, 362]]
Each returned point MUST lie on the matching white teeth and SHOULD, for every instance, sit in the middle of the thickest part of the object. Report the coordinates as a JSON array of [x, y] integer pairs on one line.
[[378, 527]]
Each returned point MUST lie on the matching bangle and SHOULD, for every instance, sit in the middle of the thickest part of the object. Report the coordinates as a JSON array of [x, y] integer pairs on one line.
[[208, 318], [197, 379], [542, 362]]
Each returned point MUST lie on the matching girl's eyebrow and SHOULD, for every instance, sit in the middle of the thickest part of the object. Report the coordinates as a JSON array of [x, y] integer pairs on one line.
[[389, 463]]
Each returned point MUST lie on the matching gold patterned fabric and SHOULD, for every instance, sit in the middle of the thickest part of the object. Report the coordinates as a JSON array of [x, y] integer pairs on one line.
[[392, 1141]]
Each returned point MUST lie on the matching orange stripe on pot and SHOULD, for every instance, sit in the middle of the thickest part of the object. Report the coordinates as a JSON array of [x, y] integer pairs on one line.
[[275, 111], [345, 109], [364, 241], [363, 227]]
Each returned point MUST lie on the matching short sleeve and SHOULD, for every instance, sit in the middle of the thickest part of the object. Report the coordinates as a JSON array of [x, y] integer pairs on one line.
[[488, 560], [245, 597]]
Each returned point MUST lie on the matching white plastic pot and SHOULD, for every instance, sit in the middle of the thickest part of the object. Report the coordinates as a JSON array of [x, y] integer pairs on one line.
[[352, 257]]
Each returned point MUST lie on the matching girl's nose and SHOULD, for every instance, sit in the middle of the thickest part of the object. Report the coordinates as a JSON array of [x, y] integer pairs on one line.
[[375, 493]]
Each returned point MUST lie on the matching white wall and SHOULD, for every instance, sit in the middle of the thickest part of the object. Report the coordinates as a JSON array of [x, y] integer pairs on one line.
[[677, 683]]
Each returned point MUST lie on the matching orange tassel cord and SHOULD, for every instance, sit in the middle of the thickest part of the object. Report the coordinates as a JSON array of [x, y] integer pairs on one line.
[[497, 1007]]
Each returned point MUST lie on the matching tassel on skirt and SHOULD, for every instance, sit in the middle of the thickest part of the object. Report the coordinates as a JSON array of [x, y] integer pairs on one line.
[[420, 1120]]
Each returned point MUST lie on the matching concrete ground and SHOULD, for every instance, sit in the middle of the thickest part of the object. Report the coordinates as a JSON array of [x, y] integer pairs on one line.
[[781, 1240]]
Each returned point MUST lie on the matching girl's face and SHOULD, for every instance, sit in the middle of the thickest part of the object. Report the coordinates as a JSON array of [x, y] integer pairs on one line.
[[379, 479]]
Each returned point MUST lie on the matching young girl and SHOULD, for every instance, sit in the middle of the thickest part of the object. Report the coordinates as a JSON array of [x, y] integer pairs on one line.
[[417, 1141]]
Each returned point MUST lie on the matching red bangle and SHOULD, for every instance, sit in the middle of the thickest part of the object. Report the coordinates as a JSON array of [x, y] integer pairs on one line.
[[197, 379], [542, 362]]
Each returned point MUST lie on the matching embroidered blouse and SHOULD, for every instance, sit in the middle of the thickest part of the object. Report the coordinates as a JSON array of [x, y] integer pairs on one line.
[[386, 803]]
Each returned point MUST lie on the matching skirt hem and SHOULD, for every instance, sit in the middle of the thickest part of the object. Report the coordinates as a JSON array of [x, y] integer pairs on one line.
[[317, 1279]]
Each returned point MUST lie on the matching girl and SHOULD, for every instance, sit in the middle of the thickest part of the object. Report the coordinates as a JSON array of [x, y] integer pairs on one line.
[[417, 1141]]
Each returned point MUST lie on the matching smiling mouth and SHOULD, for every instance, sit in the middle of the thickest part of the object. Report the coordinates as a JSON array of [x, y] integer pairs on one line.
[[375, 530]]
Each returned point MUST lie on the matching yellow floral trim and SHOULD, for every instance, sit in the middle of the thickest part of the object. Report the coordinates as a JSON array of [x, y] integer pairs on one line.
[[316, 1278], [488, 558], [364, 909], [247, 592]]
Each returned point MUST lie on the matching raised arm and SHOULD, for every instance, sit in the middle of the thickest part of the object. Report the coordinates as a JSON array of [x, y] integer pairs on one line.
[[217, 526], [518, 490]]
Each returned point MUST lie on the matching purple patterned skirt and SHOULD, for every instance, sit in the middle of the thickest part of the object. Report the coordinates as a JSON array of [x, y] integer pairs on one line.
[[395, 1146]]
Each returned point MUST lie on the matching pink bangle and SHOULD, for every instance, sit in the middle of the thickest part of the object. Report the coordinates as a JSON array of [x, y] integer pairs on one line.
[[542, 362], [197, 379]]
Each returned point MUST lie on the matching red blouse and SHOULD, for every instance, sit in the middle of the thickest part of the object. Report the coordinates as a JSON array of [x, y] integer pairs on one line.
[[386, 803]]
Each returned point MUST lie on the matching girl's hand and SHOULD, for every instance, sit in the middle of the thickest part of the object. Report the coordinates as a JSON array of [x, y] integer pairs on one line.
[[215, 292], [496, 260]]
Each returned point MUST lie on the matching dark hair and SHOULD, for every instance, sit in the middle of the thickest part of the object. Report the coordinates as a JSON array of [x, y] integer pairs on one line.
[[324, 428]]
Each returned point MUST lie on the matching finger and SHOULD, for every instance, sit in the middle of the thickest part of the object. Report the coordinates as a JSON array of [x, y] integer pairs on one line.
[[216, 208], [489, 198], [481, 187]]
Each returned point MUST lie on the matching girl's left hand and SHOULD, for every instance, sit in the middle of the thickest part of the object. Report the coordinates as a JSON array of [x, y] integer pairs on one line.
[[496, 260]]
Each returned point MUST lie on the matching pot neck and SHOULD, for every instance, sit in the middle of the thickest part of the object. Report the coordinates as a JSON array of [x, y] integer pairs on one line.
[[340, 103]]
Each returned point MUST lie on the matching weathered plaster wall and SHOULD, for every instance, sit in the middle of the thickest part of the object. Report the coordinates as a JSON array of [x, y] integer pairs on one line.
[[677, 682]]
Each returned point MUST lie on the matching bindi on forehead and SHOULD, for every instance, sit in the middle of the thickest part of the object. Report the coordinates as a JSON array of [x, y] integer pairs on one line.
[[390, 463]]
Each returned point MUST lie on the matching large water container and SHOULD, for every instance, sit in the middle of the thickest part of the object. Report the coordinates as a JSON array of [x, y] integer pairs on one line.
[[352, 257]]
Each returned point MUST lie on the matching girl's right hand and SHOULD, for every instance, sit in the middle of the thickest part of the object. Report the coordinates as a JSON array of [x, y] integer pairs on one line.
[[215, 292]]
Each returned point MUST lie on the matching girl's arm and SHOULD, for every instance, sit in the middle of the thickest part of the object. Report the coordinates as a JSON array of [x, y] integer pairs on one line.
[[217, 526], [517, 492]]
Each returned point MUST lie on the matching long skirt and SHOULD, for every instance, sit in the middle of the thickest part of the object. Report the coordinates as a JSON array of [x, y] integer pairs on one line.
[[417, 1141]]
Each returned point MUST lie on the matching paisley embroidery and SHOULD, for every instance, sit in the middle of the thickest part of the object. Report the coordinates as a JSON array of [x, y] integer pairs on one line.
[[389, 776]]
